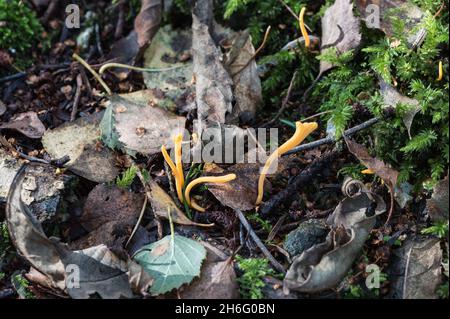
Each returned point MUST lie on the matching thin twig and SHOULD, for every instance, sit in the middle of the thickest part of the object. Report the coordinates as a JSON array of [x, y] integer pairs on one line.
[[285, 101], [12, 77], [263, 44], [331, 140], [259, 243], [95, 74], [76, 100], [141, 215], [120, 21], [288, 8], [49, 12], [56, 162], [315, 115], [136, 68], [86, 82]]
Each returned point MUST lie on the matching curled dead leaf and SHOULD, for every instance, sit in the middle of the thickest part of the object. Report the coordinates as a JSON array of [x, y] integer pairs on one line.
[[386, 173], [162, 204], [27, 123], [324, 265], [100, 271]]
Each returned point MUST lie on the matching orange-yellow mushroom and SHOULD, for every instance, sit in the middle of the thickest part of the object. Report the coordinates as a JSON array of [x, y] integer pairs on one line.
[[301, 20], [168, 160], [206, 179], [179, 166], [441, 71], [301, 132], [368, 172]]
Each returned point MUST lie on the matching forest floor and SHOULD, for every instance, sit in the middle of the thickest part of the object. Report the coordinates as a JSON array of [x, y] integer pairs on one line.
[[120, 170]]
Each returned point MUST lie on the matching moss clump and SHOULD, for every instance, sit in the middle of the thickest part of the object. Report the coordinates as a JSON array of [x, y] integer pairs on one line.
[[20, 29]]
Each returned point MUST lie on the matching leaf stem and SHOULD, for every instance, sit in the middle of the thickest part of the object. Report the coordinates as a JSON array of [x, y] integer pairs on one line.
[[95, 74]]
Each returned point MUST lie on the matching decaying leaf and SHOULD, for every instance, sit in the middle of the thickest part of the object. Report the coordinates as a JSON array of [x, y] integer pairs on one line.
[[340, 30], [324, 265], [437, 205], [217, 280], [392, 98], [109, 215], [247, 84], [386, 173], [172, 88], [240, 193], [79, 141], [416, 269], [162, 204], [139, 128], [2, 108], [213, 87], [381, 14], [147, 21], [9, 166], [100, 271], [172, 261], [44, 192], [27, 123]]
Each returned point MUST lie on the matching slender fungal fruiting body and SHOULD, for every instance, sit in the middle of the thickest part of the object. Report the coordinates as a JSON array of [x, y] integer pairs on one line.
[[441, 71], [201, 180], [179, 166], [368, 172], [301, 132], [168, 160], [305, 35]]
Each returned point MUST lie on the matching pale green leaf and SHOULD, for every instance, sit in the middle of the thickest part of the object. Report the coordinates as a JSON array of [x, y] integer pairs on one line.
[[171, 262]]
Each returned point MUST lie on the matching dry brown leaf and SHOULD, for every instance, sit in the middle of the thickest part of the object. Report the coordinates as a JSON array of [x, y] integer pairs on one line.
[[324, 265], [27, 123], [162, 204], [240, 193], [386, 173], [144, 128], [109, 215], [409, 13], [147, 21], [437, 205], [340, 30], [78, 140], [214, 93], [2, 108], [392, 98], [100, 271], [217, 281], [247, 84], [416, 269]]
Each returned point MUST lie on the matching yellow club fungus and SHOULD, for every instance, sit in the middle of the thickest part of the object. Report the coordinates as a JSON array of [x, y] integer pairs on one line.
[[177, 167], [301, 20], [206, 179], [301, 132], [441, 71]]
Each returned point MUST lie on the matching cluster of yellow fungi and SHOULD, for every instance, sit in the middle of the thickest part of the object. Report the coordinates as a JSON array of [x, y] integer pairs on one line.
[[302, 131], [177, 172]]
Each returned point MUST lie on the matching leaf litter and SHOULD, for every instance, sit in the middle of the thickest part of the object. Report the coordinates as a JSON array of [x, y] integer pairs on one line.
[[193, 79]]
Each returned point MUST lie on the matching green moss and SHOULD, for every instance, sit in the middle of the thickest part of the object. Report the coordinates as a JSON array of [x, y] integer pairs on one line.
[[254, 270], [21, 31]]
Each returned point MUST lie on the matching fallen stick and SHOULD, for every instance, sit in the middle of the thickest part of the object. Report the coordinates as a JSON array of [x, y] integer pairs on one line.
[[331, 140], [287, 195], [259, 243]]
